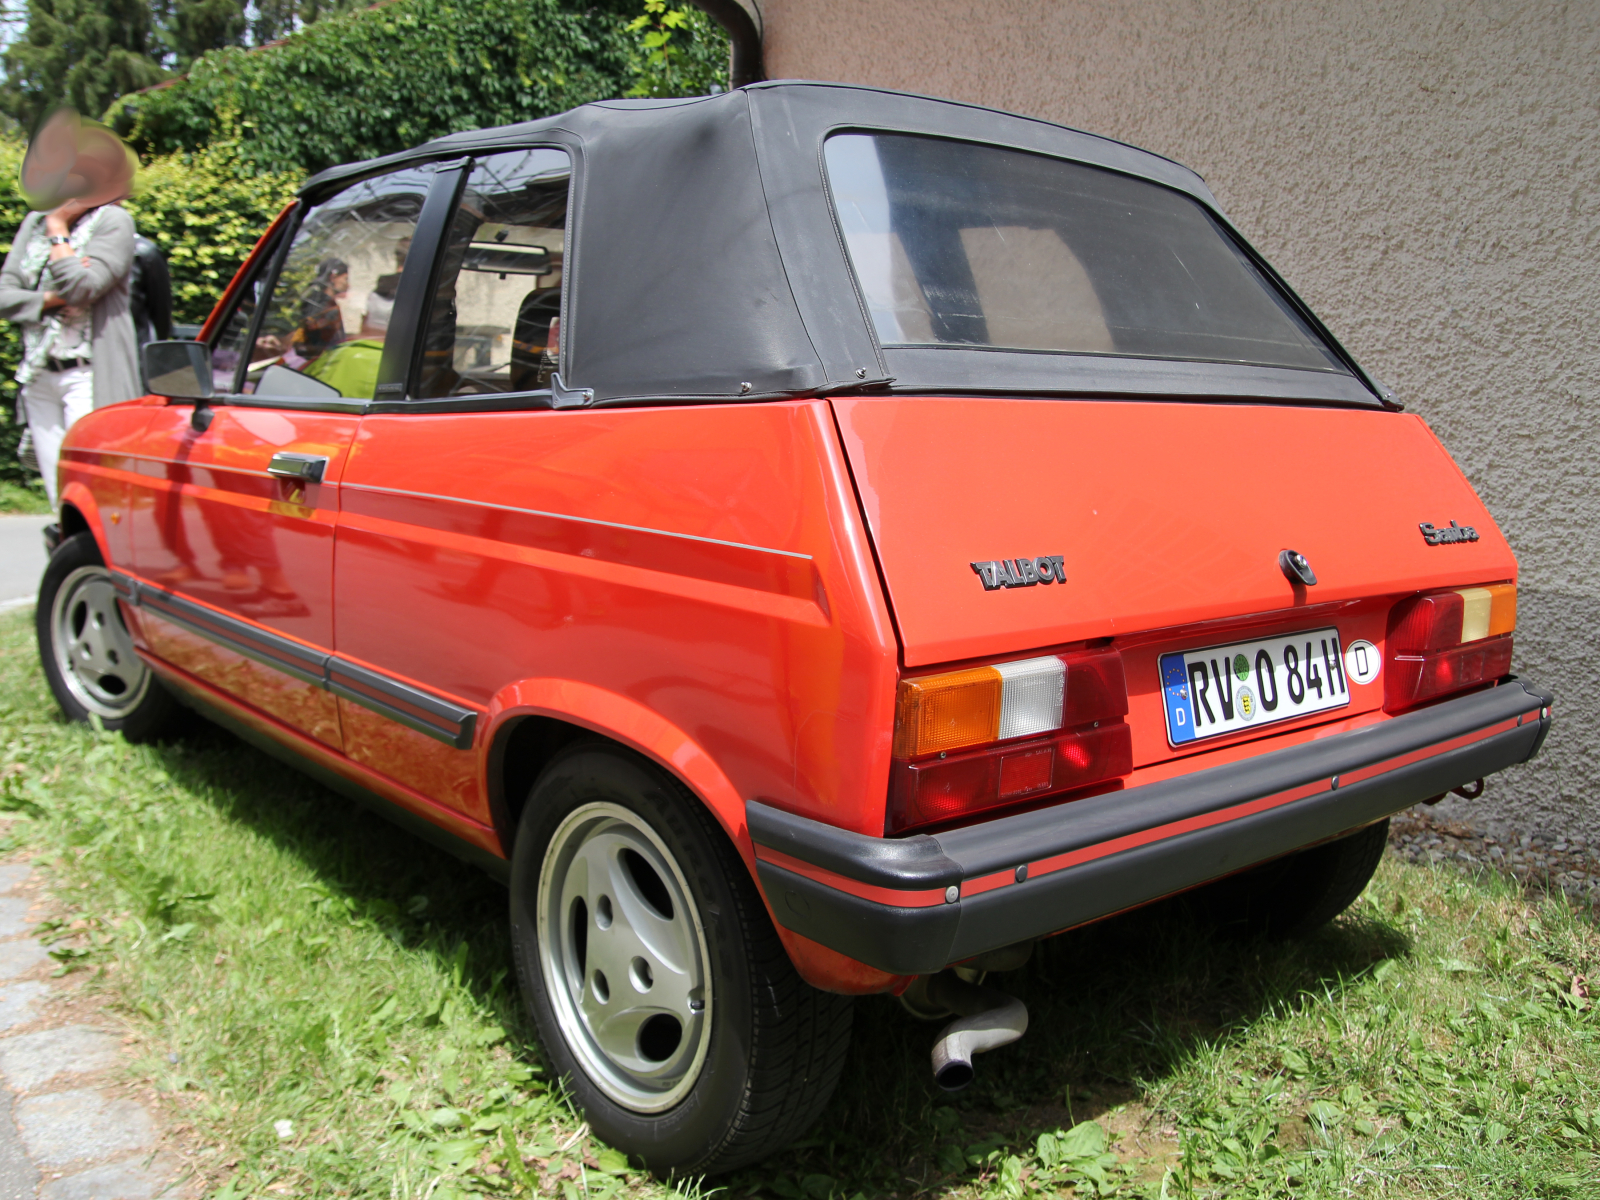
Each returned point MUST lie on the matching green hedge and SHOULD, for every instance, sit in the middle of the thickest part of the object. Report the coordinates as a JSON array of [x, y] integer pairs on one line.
[[12, 209], [379, 80], [206, 214]]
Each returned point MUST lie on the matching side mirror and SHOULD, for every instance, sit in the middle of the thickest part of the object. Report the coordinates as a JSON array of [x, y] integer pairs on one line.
[[178, 370]]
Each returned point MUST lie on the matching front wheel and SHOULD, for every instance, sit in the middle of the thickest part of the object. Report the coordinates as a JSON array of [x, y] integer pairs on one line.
[[87, 651], [660, 989]]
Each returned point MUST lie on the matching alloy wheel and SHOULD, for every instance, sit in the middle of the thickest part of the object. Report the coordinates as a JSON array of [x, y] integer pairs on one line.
[[623, 955], [93, 648]]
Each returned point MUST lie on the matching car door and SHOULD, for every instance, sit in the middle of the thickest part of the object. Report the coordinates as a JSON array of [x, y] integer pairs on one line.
[[233, 532], [411, 575]]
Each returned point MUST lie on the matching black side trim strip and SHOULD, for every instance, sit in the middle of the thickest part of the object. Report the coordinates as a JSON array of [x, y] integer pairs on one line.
[[491, 864], [923, 862], [412, 707], [275, 651]]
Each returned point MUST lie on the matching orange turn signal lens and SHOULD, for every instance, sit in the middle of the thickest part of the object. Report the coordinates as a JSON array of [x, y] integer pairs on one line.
[[1488, 611], [946, 712]]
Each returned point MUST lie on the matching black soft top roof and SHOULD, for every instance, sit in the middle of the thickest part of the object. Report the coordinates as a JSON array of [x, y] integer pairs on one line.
[[704, 263]]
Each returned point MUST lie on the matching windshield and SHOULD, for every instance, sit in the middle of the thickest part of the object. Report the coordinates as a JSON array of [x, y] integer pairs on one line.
[[956, 243]]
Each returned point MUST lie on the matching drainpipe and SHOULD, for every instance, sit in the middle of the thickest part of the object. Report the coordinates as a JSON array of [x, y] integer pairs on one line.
[[742, 20]]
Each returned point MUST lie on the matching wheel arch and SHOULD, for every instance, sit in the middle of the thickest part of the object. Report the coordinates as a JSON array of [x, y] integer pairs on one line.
[[80, 513], [531, 721]]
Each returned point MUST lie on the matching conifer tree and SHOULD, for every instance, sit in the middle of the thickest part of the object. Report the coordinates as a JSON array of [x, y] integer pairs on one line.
[[84, 53], [191, 27]]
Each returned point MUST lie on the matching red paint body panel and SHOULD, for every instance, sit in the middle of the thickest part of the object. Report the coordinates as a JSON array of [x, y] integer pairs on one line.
[[1167, 514], [703, 563], [699, 582], [210, 525], [97, 478]]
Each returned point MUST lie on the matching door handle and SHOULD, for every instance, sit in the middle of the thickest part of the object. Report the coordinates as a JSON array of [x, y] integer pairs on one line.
[[287, 465]]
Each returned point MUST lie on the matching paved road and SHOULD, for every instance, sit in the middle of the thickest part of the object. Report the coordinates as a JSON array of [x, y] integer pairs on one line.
[[21, 559], [56, 1122]]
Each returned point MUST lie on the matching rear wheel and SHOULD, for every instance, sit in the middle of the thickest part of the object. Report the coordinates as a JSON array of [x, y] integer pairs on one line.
[[659, 987], [87, 651], [1300, 892]]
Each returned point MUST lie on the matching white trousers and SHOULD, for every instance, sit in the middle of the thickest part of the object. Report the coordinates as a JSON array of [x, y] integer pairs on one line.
[[52, 402]]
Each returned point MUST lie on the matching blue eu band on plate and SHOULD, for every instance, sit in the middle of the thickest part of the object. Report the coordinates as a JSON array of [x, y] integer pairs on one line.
[[1223, 689]]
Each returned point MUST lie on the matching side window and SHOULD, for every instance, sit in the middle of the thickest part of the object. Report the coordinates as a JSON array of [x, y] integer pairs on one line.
[[494, 320], [326, 321], [232, 342]]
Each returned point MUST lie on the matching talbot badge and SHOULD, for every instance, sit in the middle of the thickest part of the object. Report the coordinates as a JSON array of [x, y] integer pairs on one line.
[[1020, 572], [1448, 534]]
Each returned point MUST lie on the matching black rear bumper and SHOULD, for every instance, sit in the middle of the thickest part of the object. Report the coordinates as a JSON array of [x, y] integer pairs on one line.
[[914, 905]]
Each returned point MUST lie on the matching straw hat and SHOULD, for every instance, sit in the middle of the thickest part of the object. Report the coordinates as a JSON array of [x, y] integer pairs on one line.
[[73, 159]]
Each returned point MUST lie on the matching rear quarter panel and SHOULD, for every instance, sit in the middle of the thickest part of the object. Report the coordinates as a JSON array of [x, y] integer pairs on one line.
[[705, 563]]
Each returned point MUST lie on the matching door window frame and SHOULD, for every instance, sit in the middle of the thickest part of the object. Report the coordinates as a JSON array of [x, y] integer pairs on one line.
[[396, 390], [400, 368]]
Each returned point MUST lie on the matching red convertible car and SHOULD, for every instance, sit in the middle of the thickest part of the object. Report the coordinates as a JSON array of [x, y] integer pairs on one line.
[[809, 541]]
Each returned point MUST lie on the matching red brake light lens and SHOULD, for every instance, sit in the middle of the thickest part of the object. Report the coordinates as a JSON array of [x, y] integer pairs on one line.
[[1448, 642], [1057, 721]]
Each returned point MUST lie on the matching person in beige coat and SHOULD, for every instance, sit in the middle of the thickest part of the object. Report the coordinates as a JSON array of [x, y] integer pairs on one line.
[[65, 282]]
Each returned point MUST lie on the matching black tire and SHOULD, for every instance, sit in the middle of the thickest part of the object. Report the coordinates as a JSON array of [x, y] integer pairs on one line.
[[1299, 893], [86, 651], [771, 1046]]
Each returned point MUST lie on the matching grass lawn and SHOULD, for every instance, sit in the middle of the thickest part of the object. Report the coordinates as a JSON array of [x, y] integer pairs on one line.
[[20, 498], [327, 1008]]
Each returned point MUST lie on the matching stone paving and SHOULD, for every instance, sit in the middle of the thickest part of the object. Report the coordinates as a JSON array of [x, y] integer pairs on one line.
[[65, 1132]]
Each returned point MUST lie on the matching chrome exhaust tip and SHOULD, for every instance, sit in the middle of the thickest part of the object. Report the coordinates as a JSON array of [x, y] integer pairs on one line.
[[987, 1020]]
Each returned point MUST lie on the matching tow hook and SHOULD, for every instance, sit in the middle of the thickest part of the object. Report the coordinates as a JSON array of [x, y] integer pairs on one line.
[[987, 1020]]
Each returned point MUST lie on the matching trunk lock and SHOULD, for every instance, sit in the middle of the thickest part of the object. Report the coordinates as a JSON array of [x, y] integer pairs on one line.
[[1294, 565]]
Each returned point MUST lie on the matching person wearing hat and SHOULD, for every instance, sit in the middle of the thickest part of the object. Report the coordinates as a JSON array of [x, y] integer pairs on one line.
[[65, 282]]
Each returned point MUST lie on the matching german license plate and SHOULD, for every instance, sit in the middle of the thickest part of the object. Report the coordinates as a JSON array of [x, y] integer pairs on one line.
[[1223, 689]]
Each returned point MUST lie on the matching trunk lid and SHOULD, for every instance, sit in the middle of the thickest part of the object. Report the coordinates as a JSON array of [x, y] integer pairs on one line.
[[1160, 514]]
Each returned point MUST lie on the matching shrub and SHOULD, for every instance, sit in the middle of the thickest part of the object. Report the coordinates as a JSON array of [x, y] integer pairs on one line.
[[205, 210], [378, 80]]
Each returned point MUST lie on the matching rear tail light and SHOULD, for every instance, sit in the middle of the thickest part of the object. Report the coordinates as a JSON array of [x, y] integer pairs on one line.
[[1447, 642], [1057, 721]]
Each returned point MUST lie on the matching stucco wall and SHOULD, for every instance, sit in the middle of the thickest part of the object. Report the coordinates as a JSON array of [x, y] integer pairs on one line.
[[1426, 174]]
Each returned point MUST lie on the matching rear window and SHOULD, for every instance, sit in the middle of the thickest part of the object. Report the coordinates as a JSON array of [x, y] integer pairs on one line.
[[955, 243]]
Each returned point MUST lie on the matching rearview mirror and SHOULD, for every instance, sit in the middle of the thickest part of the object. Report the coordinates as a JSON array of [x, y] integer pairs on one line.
[[178, 370], [506, 258]]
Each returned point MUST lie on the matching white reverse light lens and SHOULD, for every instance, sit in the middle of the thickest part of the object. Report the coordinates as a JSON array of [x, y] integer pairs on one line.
[[1475, 613], [1031, 691]]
